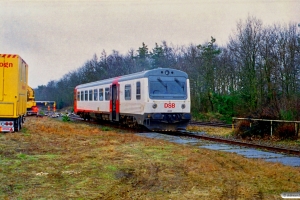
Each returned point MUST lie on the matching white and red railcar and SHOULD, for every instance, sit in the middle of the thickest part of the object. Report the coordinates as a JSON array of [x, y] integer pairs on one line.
[[158, 99]]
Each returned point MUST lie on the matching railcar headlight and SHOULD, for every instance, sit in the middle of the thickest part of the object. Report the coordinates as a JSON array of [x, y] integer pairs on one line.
[[154, 106], [167, 72], [183, 106]]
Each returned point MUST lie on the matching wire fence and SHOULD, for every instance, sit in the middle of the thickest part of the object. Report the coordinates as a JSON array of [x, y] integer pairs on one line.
[[272, 122]]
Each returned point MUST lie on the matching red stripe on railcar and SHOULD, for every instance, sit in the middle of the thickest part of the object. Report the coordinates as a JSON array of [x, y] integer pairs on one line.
[[91, 111], [110, 100], [87, 111], [75, 100], [115, 83], [118, 99]]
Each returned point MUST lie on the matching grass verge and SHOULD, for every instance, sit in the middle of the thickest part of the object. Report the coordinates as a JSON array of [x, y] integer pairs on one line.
[[51, 159], [210, 130]]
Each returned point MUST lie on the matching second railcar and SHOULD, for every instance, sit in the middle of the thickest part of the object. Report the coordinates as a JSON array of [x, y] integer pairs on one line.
[[158, 99]]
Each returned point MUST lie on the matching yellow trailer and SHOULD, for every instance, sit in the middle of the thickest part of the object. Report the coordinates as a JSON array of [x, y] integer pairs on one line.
[[13, 92]]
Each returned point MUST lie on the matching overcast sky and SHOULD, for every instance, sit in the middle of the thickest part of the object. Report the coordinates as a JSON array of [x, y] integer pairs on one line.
[[56, 37]]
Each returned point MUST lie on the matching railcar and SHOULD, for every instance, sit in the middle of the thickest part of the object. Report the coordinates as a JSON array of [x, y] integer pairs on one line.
[[13, 92], [157, 99]]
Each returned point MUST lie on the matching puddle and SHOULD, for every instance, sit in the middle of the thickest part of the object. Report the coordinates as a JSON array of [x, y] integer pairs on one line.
[[253, 153], [246, 152], [171, 138], [219, 147], [186, 141], [287, 160]]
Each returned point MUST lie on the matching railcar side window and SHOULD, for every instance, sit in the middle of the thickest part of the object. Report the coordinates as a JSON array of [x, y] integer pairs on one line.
[[86, 95], [101, 94], [78, 96], [138, 90], [82, 96], [127, 92], [106, 94], [90, 95], [95, 95]]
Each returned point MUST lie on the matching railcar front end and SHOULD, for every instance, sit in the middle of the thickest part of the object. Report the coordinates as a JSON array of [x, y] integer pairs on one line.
[[168, 107]]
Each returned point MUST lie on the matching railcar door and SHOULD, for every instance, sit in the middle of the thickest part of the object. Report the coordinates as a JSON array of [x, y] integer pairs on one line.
[[75, 100], [115, 102]]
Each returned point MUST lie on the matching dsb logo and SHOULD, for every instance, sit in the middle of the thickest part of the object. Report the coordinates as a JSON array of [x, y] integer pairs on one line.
[[169, 105]]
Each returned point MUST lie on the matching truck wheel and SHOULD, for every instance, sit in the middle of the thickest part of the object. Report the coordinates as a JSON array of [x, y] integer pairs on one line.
[[18, 125], [21, 122]]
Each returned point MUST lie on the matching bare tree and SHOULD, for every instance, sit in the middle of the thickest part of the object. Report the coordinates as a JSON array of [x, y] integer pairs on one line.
[[245, 48]]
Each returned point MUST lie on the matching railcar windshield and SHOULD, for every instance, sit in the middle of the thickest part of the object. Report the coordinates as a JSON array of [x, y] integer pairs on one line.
[[167, 87]]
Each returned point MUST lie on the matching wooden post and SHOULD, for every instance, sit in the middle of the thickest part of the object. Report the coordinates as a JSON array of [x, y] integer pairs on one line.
[[296, 130], [271, 128]]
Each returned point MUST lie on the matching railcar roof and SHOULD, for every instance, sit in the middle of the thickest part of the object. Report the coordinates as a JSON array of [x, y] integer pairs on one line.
[[154, 72]]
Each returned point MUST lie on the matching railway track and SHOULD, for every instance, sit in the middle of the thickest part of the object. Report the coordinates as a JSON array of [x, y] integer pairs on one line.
[[232, 141], [241, 143]]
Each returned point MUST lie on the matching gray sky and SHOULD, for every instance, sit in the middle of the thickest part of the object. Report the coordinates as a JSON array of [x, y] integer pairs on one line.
[[56, 37]]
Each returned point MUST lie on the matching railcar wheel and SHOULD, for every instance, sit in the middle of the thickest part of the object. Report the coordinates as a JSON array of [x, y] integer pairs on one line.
[[86, 117]]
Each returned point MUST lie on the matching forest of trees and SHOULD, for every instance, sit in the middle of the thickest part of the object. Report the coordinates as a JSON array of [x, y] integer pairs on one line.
[[259, 69]]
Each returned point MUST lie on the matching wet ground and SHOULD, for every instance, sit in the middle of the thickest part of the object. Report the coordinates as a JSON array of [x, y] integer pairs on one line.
[[244, 151]]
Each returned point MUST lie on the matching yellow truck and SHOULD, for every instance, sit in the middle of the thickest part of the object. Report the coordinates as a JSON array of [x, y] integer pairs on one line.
[[13, 92], [32, 108]]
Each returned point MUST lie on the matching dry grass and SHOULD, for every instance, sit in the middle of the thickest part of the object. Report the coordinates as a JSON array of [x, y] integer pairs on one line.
[[210, 130], [55, 160]]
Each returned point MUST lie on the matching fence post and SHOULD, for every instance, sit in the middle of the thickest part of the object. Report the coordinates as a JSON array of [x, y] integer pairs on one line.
[[296, 129], [271, 128]]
